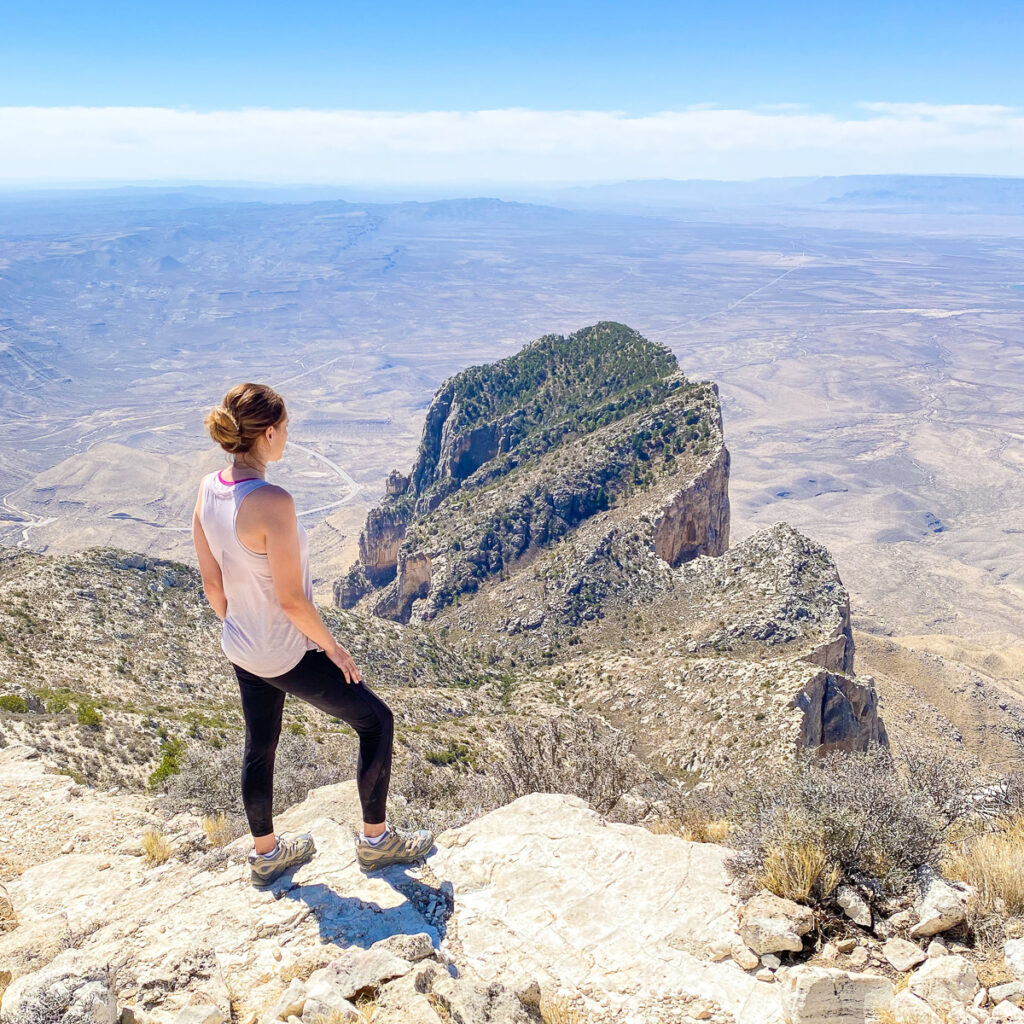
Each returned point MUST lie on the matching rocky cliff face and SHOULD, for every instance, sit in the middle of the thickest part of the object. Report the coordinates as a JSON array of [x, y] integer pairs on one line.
[[580, 518], [516, 455]]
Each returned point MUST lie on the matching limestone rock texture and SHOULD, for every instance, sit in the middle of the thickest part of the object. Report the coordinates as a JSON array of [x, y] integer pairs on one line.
[[540, 898], [825, 995]]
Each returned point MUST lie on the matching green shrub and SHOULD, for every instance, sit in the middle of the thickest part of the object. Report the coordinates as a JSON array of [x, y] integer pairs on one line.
[[58, 702], [873, 815], [88, 715], [171, 751], [453, 753], [12, 702]]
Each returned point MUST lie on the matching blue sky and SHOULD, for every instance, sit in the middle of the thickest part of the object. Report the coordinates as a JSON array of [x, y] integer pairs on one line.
[[641, 57], [139, 91]]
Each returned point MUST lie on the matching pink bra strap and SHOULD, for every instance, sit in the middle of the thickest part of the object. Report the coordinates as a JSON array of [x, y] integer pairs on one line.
[[231, 483]]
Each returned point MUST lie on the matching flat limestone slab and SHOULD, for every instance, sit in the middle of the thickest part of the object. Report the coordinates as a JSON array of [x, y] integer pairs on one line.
[[547, 888]]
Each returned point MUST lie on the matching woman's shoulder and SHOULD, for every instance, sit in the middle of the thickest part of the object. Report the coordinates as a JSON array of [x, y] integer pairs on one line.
[[273, 498]]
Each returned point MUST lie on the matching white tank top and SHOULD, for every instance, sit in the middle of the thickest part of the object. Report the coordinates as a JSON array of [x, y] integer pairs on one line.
[[257, 635]]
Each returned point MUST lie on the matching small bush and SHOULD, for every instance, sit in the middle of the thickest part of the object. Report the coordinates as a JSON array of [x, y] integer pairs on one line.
[[88, 715], [845, 817], [155, 846], [579, 755], [454, 753], [796, 864], [12, 702], [171, 751], [219, 829], [58, 702], [208, 779]]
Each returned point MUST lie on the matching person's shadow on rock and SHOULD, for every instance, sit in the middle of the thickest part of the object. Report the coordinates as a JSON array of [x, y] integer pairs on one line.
[[351, 921]]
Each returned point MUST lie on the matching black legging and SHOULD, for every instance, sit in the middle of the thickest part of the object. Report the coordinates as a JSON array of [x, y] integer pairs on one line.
[[318, 681]]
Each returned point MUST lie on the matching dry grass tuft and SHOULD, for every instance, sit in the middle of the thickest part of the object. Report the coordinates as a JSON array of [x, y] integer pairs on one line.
[[366, 1007], [991, 863], [560, 1010], [155, 846], [441, 1007], [794, 868], [695, 828], [218, 829]]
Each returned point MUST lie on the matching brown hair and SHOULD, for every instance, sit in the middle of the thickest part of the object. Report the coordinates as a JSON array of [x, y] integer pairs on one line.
[[247, 410]]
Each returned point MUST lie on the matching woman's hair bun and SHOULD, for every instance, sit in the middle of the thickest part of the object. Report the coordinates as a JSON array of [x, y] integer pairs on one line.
[[223, 427], [246, 412]]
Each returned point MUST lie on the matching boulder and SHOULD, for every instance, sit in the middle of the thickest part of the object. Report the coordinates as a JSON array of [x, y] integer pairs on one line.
[[854, 905], [768, 923], [291, 1002], [407, 947], [910, 1009], [202, 1014], [1012, 990], [945, 982], [70, 990], [940, 905], [429, 993], [355, 972], [903, 955], [825, 995]]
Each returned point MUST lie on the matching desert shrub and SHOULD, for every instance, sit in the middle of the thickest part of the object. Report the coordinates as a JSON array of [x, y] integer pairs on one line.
[[208, 780], [171, 751], [869, 817], [454, 753], [58, 702], [12, 702], [88, 715], [579, 755], [700, 815], [220, 829]]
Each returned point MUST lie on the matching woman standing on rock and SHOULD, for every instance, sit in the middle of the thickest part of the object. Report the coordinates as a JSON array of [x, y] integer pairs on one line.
[[254, 559]]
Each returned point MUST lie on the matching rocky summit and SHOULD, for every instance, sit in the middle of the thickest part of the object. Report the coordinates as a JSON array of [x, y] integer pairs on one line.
[[569, 506], [541, 910]]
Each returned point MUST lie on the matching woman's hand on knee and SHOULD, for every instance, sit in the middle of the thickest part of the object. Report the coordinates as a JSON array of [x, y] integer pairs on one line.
[[345, 662]]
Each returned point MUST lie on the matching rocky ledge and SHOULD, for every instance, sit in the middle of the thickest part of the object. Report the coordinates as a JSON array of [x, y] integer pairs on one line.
[[539, 905]]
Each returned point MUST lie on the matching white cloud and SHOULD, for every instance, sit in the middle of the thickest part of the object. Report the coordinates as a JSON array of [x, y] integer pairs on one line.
[[80, 144]]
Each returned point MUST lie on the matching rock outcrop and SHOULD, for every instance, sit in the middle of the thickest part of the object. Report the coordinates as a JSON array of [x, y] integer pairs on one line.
[[540, 909], [517, 454]]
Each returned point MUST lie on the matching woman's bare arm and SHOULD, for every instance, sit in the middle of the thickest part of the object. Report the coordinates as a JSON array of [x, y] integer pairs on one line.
[[213, 581], [282, 542]]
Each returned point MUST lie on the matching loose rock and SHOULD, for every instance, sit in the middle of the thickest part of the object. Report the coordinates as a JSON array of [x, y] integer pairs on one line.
[[945, 982], [824, 995], [903, 955], [769, 923]]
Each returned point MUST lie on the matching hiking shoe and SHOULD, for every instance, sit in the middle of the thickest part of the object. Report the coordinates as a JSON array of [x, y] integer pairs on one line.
[[397, 847], [289, 854]]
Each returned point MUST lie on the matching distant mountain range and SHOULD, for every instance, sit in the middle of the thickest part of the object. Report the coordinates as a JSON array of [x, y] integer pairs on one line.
[[919, 193]]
